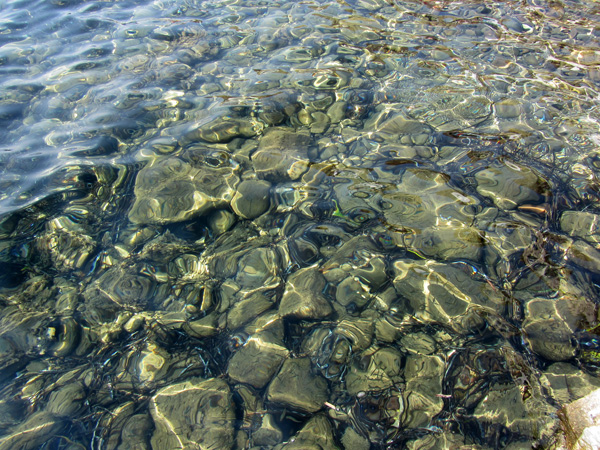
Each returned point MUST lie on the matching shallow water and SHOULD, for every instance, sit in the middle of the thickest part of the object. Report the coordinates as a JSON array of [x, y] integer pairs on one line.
[[260, 224]]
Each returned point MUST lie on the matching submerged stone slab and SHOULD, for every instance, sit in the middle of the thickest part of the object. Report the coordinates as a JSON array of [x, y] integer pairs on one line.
[[509, 185], [173, 190], [581, 422], [258, 360], [303, 297], [581, 224], [445, 294], [282, 154], [549, 325], [297, 387], [374, 371], [251, 199], [196, 414], [316, 434], [34, 432]]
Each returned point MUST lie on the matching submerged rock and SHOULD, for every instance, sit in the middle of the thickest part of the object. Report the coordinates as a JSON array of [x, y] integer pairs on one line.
[[581, 422], [297, 387], [566, 383], [37, 430], [446, 294], [581, 224], [549, 325], [303, 297], [509, 185], [374, 371], [316, 434], [220, 130], [281, 155], [258, 360], [195, 414], [251, 199], [172, 189], [424, 375]]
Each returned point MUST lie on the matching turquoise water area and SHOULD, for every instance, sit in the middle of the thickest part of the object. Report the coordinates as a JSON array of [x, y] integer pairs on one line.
[[363, 224]]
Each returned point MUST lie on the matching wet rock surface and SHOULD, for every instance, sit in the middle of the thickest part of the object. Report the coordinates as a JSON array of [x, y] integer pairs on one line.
[[297, 387], [193, 414], [298, 225], [175, 189]]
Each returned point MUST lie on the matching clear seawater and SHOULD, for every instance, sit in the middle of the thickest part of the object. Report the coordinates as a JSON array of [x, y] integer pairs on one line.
[[398, 200]]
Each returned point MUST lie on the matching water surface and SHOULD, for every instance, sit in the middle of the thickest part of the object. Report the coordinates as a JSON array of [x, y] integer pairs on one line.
[[261, 224]]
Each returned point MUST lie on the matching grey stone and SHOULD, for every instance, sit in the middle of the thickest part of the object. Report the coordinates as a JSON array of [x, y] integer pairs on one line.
[[303, 297], [509, 185], [173, 190], [581, 224], [195, 414], [316, 434], [281, 154], [38, 429], [251, 199], [581, 422], [258, 360], [297, 387]]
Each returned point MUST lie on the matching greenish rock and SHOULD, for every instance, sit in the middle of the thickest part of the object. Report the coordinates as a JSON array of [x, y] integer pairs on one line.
[[116, 434], [220, 130], [281, 154], [303, 296], [566, 383], [297, 387], [509, 185], [374, 371], [320, 122], [424, 375], [400, 125], [119, 288], [220, 221], [67, 400], [549, 325], [36, 430], [418, 343], [269, 433], [173, 190], [441, 293], [449, 111], [257, 269], [316, 434], [508, 108], [445, 441], [65, 245], [581, 224], [421, 197], [359, 331], [251, 199], [136, 432], [352, 291], [504, 404], [584, 255], [197, 414], [351, 439], [258, 360], [204, 327], [445, 243], [247, 309], [337, 112]]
